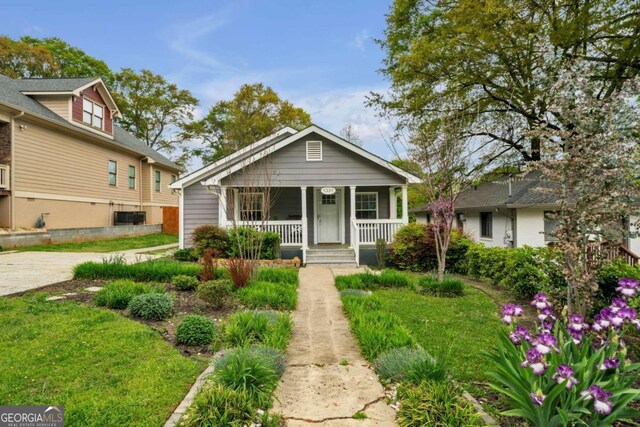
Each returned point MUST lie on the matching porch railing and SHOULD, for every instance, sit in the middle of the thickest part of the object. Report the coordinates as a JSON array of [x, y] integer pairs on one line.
[[611, 252], [4, 177], [290, 231], [368, 231]]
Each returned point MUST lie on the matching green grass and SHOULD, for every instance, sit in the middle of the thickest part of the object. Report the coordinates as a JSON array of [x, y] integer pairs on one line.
[[149, 271], [104, 368], [460, 328], [110, 245], [267, 295], [270, 328]]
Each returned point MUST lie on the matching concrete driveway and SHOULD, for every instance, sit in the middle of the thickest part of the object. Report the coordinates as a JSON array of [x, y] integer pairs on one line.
[[22, 271]]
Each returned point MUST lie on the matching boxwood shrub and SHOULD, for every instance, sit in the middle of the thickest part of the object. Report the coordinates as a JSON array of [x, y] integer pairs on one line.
[[195, 330], [153, 306], [185, 283]]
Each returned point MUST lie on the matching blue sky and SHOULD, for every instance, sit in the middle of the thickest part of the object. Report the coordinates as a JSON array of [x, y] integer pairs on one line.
[[318, 54]]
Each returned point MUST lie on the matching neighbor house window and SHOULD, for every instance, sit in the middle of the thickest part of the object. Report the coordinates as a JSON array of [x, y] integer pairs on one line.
[[486, 224], [113, 172], [92, 113], [158, 181], [251, 206], [173, 178], [550, 224], [132, 177], [367, 205]]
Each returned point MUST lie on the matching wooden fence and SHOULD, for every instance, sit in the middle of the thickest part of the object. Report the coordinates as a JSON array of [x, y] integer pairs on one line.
[[170, 220]]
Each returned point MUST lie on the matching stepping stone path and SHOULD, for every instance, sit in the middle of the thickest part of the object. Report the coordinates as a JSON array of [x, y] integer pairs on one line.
[[93, 288], [56, 298], [317, 388]]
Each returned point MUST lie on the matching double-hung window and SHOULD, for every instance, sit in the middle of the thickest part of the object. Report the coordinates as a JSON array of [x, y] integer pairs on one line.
[[92, 113], [251, 206], [551, 222], [366, 205], [113, 172], [486, 225], [157, 181], [132, 177]]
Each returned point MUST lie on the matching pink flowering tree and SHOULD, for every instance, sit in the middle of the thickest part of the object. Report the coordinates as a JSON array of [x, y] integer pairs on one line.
[[568, 371]]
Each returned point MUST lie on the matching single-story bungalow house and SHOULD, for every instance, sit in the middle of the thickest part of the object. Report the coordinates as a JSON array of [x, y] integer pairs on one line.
[[330, 200], [510, 211]]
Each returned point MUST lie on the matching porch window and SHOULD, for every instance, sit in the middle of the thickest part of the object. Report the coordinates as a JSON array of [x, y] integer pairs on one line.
[[113, 172], [366, 205], [132, 176], [486, 224], [92, 113], [550, 225], [251, 206], [157, 181]]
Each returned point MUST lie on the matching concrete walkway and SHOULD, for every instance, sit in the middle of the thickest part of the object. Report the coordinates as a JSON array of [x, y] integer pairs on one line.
[[22, 271], [316, 388]]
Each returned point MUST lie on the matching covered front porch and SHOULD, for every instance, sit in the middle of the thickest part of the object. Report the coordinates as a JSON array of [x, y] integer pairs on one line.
[[318, 216]]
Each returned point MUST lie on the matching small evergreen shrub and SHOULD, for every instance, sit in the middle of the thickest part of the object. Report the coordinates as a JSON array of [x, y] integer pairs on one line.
[[278, 275], [210, 237], [435, 403], [409, 364], [449, 287], [247, 237], [186, 254], [268, 295], [195, 330], [185, 283], [118, 294], [215, 292], [217, 405], [151, 306], [256, 327]]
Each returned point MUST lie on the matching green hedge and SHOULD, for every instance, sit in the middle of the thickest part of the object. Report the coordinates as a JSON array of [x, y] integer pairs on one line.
[[149, 271], [238, 238]]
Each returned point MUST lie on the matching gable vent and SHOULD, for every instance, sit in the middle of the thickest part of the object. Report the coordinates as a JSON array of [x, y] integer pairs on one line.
[[314, 151]]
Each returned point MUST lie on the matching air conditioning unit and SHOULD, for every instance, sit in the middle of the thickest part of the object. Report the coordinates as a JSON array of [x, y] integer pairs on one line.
[[129, 217]]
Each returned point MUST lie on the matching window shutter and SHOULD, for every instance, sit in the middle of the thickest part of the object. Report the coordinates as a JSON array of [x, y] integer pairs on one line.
[[314, 151]]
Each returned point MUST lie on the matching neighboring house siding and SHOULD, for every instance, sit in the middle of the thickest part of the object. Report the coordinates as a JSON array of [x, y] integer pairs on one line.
[[338, 166], [165, 196], [501, 224], [530, 227], [94, 96], [57, 104], [146, 183], [634, 244], [200, 208]]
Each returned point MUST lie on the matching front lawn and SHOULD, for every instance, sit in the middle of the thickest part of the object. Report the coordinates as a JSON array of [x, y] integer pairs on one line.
[[105, 369], [456, 328], [110, 245]]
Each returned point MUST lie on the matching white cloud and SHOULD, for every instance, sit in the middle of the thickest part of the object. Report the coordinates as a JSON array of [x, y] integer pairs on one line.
[[359, 40]]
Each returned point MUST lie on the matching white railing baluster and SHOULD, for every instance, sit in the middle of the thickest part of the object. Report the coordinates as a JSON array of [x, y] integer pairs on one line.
[[370, 230], [290, 231]]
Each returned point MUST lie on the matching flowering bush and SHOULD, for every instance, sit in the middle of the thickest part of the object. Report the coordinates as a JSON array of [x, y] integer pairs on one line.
[[568, 370]]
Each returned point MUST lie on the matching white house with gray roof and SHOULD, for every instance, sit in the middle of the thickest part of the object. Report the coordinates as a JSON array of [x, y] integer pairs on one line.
[[330, 199]]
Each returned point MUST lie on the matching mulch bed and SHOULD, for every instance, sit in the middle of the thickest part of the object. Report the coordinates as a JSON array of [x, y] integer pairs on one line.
[[185, 303]]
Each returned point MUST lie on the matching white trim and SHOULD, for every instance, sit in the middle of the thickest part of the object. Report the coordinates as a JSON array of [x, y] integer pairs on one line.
[[181, 220], [352, 216], [64, 198], [405, 204], [222, 207], [315, 215], [305, 223], [50, 93], [342, 225], [93, 129], [197, 175], [157, 205], [307, 151], [215, 180], [377, 206], [393, 203]]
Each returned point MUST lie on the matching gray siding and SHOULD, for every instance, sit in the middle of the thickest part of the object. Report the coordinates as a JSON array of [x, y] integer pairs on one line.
[[339, 166], [200, 208]]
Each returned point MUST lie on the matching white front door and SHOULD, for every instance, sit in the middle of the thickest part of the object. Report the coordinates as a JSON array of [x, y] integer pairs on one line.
[[328, 216]]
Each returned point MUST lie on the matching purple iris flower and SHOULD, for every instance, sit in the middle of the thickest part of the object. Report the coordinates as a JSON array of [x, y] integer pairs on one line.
[[600, 398], [534, 361], [565, 373], [618, 303], [541, 301], [538, 397], [610, 363], [545, 313], [546, 342], [520, 333], [627, 287], [509, 311], [628, 313], [576, 323]]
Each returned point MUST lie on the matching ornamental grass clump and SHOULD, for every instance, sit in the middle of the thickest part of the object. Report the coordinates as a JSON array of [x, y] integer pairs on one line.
[[256, 327], [119, 293], [567, 370], [407, 364], [449, 287], [268, 295], [278, 275]]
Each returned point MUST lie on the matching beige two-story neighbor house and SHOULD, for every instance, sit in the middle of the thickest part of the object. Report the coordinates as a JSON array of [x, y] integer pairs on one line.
[[65, 163]]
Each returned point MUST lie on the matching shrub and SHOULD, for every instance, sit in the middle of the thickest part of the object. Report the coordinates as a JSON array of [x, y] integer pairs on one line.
[[256, 327], [414, 248], [268, 295], [195, 330], [209, 264], [185, 283], [239, 271], [151, 306], [273, 357], [611, 273], [215, 292], [186, 254], [409, 364], [392, 279], [449, 287], [119, 293], [217, 405], [278, 275], [435, 403], [148, 271], [245, 371], [210, 237], [246, 237]]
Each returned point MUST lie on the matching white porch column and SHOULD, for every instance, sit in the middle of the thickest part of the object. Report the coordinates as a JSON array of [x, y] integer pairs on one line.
[[405, 204], [352, 214], [393, 203], [305, 223], [236, 206], [222, 207]]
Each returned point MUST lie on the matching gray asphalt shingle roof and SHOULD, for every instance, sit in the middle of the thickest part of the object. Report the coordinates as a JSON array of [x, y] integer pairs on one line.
[[525, 192], [11, 95], [52, 85]]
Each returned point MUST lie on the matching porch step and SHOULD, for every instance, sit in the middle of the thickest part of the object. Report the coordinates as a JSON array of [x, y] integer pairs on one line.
[[331, 257]]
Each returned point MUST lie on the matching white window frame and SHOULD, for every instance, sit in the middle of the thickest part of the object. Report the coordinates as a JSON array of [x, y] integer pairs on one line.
[[114, 173], [92, 113], [157, 180], [240, 195], [307, 151], [359, 193], [132, 168]]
